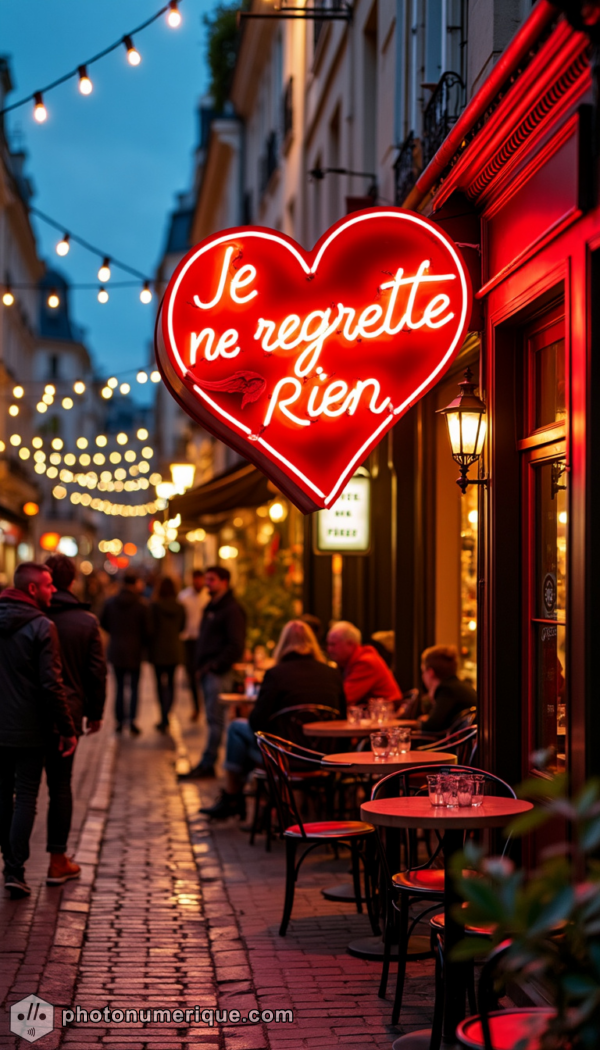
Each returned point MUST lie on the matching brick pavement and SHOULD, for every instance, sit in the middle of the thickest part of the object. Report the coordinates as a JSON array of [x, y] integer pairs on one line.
[[174, 913]]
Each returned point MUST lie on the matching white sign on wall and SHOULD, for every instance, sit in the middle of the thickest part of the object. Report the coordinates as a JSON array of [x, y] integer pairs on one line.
[[345, 527]]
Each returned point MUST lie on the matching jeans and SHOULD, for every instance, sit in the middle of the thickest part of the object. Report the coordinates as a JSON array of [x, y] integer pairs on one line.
[[242, 754], [60, 806], [134, 681], [20, 775], [190, 666], [165, 676], [212, 685]]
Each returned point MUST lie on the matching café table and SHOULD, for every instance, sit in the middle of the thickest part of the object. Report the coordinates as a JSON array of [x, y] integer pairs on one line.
[[341, 727], [417, 812], [364, 762]]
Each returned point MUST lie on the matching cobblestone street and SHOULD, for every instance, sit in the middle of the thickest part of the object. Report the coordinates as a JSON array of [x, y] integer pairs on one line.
[[172, 913]]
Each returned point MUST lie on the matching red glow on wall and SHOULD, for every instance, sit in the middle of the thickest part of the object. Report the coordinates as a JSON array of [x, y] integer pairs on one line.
[[302, 361]]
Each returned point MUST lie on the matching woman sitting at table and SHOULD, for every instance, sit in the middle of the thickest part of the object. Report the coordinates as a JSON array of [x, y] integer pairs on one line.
[[300, 676]]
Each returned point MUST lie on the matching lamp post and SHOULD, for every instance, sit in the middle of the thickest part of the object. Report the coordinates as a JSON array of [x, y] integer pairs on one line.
[[467, 428]]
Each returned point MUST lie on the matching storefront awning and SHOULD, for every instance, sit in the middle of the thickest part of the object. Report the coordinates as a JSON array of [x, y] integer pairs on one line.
[[241, 486]]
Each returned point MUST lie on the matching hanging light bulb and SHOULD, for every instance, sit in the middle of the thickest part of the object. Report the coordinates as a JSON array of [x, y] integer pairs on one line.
[[79, 387], [18, 391], [85, 85], [8, 297], [104, 271], [63, 246], [155, 377], [124, 388], [40, 112], [142, 377], [13, 410], [133, 56], [102, 295], [53, 300], [112, 382], [146, 294], [174, 17]]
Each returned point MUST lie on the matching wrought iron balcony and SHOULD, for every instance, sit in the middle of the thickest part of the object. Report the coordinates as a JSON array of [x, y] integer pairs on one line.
[[406, 168], [442, 111]]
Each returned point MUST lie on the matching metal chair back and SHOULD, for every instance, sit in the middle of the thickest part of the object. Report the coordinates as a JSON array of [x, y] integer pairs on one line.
[[287, 723], [463, 744], [276, 755], [463, 720]]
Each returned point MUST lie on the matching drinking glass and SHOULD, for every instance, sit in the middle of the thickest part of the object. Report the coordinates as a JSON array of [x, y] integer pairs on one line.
[[354, 715], [435, 789], [380, 746], [378, 710], [403, 736], [477, 789], [450, 790], [465, 791]]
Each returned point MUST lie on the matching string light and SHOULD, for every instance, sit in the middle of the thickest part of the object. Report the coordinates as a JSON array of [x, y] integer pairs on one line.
[[124, 388], [174, 17], [122, 439], [85, 85], [40, 112], [101, 440], [13, 410], [57, 443], [103, 255], [133, 56], [18, 391], [37, 442], [112, 382], [15, 439], [8, 297], [146, 294], [53, 300], [82, 442], [155, 377], [63, 247], [102, 295], [104, 271], [79, 387], [50, 389], [41, 407], [67, 402], [142, 377]]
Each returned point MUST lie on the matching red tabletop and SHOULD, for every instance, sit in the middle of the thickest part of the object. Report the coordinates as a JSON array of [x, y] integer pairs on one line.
[[236, 698], [417, 812], [342, 728], [364, 761]]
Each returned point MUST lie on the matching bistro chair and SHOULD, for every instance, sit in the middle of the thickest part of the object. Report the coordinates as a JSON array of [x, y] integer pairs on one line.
[[418, 882], [354, 834], [464, 720], [287, 724], [463, 744], [493, 1029]]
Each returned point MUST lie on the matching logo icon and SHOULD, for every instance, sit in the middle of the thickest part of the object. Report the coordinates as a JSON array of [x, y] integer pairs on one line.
[[31, 1018]]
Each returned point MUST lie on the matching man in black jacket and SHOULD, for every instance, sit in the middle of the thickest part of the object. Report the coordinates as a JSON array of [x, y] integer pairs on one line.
[[84, 674], [32, 704], [125, 618], [450, 695], [220, 644]]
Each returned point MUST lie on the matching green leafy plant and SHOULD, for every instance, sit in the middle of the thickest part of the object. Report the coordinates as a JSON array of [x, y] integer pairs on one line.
[[552, 916], [223, 38]]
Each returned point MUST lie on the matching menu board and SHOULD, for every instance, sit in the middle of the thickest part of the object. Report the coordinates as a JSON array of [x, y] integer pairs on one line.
[[345, 528]]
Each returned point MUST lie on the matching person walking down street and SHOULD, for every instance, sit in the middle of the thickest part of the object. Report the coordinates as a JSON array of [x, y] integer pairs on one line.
[[125, 618], [84, 676], [167, 620], [33, 703], [220, 644], [194, 600]]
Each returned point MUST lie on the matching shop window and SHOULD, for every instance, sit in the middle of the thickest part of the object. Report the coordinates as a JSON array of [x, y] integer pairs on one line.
[[468, 584], [546, 353]]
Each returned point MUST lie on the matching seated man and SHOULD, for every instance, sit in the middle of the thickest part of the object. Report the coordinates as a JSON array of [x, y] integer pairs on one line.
[[448, 693], [364, 672]]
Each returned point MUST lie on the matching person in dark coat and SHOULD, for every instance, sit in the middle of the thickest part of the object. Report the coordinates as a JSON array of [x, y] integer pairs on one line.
[[125, 618], [220, 644], [84, 675], [33, 703], [167, 619], [300, 675], [450, 695]]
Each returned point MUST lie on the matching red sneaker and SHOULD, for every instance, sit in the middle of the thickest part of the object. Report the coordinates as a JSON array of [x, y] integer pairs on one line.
[[61, 869]]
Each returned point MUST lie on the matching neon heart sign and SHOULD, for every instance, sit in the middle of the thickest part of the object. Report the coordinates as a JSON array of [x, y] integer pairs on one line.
[[302, 361]]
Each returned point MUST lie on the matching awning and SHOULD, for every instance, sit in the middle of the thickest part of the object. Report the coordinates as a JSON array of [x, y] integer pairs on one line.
[[241, 486]]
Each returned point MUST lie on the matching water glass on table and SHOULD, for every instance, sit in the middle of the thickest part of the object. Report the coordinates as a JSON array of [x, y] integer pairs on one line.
[[354, 715], [400, 737], [378, 710], [477, 789], [380, 746], [435, 788]]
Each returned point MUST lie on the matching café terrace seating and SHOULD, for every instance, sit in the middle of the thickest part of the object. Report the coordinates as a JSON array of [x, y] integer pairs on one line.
[[356, 835]]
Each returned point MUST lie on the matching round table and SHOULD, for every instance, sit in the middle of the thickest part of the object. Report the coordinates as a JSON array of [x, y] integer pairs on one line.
[[364, 762], [417, 812], [340, 727], [236, 698]]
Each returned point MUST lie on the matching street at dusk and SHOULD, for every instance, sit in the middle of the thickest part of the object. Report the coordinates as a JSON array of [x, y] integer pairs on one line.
[[298, 458]]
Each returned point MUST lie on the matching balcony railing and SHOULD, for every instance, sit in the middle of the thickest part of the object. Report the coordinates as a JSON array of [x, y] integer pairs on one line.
[[443, 110], [406, 168]]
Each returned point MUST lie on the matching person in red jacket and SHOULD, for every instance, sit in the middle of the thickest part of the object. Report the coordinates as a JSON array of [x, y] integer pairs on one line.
[[364, 672]]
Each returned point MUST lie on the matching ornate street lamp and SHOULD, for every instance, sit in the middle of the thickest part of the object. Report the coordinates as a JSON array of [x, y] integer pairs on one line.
[[467, 428], [183, 476]]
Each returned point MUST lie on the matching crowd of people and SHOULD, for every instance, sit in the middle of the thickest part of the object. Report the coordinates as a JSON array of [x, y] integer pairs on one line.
[[53, 668]]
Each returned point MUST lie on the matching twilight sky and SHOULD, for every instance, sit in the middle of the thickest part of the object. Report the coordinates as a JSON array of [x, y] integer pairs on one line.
[[107, 165]]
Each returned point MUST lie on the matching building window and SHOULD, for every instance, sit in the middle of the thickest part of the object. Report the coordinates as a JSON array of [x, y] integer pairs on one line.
[[53, 366]]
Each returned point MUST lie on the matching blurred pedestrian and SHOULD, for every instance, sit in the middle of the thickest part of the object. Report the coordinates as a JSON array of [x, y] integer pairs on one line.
[[84, 675], [33, 705], [125, 618], [220, 644], [194, 599], [167, 619]]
